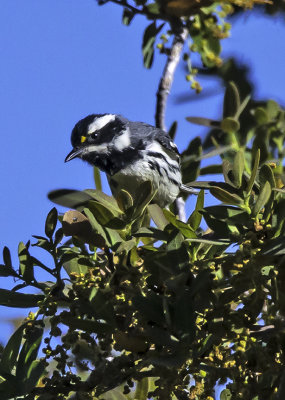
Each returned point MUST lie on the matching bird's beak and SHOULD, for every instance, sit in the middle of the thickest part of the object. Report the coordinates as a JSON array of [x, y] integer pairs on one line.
[[74, 153]]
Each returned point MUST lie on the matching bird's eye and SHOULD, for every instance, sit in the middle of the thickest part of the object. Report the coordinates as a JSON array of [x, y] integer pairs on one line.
[[94, 135]]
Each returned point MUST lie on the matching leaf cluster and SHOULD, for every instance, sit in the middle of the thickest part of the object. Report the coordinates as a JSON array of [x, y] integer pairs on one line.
[[161, 310], [205, 22]]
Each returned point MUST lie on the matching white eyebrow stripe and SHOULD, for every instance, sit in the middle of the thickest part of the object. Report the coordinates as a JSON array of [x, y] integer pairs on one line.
[[99, 123], [123, 141]]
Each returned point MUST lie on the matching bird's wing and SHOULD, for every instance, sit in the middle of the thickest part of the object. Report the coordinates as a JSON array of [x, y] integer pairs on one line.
[[165, 141], [156, 134]]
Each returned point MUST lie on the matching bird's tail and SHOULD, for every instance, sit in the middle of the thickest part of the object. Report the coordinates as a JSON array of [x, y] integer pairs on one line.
[[188, 189]]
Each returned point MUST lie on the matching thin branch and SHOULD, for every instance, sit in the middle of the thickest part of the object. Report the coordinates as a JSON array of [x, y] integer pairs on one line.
[[143, 11], [163, 92], [168, 76], [179, 206], [127, 5]]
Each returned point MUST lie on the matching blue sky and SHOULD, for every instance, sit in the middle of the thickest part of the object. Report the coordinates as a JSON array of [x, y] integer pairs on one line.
[[64, 59]]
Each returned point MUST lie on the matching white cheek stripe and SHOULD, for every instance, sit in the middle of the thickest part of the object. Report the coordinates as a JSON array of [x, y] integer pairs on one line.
[[99, 123], [123, 141], [100, 148]]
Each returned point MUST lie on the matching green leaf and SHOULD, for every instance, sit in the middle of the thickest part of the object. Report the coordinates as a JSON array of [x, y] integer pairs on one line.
[[238, 168], [105, 217], [34, 373], [185, 229], [29, 352], [69, 198], [157, 215], [7, 269], [124, 200], [273, 109], [26, 263], [231, 101], [175, 242], [43, 243], [114, 394], [97, 178], [227, 171], [225, 394], [207, 344], [262, 198], [11, 350], [9, 298], [126, 246], [260, 115], [142, 389], [225, 213], [216, 152], [87, 325], [127, 18], [254, 172], [143, 197], [266, 270], [153, 8], [148, 43], [191, 159], [7, 257], [211, 123], [225, 196], [195, 218], [73, 263], [212, 185], [211, 169], [221, 242], [230, 125], [107, 201], [261, 141], [242, 106], [51, 222], [102, 307], [96, 226], [151, 233], [266, 174], [58, 236]]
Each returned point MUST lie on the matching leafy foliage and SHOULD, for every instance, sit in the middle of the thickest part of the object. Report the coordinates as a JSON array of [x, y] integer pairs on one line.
[[135, 309], [204, 21], [168, 309]]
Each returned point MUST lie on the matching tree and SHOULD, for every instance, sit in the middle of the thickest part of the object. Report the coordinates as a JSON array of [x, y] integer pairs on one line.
[[136, 311]]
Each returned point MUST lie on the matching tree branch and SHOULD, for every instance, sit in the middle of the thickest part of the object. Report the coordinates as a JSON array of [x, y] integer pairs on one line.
[[163, 92], [168, 76], [143, 11]]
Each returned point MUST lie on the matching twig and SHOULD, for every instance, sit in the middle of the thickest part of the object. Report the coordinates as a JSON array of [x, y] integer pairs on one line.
[[142, 11], [167, 77], [163, 92], [110, 259], [179, 206]]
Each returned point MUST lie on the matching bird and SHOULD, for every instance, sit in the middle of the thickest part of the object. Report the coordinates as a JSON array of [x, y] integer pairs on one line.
[[130, 153]]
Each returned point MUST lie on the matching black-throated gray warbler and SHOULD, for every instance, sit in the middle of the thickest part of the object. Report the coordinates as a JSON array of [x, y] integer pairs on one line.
[[130, 153]]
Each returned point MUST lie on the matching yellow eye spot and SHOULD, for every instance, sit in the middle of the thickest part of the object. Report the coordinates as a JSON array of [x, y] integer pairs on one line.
[[83, 138]]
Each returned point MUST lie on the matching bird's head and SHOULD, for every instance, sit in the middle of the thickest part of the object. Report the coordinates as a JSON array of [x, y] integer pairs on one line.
[[95, 137]]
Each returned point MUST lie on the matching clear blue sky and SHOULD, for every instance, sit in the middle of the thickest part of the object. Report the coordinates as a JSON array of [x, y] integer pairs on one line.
[[64, 59]]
